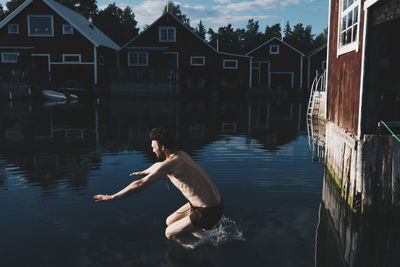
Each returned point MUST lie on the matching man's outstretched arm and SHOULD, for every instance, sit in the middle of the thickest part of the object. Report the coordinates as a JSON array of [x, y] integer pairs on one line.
[[147, 171], [156, 175]]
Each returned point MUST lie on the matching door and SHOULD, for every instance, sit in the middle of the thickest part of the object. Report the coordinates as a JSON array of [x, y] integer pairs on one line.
[[40, 68]]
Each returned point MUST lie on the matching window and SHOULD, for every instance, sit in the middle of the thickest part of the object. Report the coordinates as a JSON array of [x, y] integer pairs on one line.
[[274, 49], [167, 34], [348, 26], [13, 28], [138, 59], [71, 58], [230, 64], [9, 57], [323, 65], [101, 60], [197, 61], [67, 29], [40, 25]]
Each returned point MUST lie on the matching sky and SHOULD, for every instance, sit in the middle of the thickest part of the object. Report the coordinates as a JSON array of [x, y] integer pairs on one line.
[[218, 13]]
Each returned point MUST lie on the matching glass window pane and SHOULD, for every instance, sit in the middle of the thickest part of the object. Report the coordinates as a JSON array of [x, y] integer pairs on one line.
[[344, 23], [343, 38], [344, 4], [40, 26], [163, 34], [133, 58], [350, 2], [197, 61], [348, 37], [142, 59], [350, 19], [171, 34], [355, 15]]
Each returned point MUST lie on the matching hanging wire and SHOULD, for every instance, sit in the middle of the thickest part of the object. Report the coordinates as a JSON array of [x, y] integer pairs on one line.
[[387, 127]]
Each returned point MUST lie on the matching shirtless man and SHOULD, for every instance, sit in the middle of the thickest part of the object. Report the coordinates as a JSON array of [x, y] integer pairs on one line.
[[205, 206]]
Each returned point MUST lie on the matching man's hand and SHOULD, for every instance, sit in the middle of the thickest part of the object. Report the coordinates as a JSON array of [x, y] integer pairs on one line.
[[100, 198], [137, 173]]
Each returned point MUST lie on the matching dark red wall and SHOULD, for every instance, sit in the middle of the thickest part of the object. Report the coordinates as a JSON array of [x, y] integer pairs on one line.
[[344, 77]]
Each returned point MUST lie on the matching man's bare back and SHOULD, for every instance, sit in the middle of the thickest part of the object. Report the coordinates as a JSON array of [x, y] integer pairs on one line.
[[192, 181], [205, 207]]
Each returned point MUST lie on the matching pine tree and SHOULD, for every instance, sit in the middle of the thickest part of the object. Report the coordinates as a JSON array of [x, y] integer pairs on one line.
[[2, 13], [118, 24], [201, 30], [13, 4], [273, 31], [175, 10]]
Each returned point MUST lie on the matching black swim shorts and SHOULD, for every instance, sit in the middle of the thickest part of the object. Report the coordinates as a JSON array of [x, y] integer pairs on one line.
[[206, 217]]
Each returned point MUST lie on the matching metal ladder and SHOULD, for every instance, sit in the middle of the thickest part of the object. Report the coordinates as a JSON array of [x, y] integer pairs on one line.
[[314, 140]]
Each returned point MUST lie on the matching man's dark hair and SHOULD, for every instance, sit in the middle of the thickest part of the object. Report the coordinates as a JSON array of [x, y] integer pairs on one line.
[[163, 138]]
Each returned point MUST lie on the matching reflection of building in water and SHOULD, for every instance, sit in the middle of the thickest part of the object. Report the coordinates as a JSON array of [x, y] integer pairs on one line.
[[345, 239], [48, 156], [316, 137], [3, 174], [274, 124]]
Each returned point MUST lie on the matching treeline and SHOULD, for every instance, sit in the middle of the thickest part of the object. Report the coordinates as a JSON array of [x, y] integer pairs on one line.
[[120, 25]]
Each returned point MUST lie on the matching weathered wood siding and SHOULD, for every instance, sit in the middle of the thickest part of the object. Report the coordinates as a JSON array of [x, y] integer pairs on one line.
[[344, 77]]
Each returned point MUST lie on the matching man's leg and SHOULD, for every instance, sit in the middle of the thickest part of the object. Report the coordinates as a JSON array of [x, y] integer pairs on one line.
[[179, 214], [181, 232]]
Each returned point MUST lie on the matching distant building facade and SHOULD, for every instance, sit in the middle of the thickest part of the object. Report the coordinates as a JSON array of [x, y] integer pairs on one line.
[[316, 63], [171, 49], [277, 64], [44, 41]]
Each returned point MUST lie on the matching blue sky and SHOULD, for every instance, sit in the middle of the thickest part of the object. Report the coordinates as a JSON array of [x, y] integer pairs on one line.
[[217, 13]]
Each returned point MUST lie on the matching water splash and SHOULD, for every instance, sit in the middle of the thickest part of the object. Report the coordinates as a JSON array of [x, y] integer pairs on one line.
[[226, 231]]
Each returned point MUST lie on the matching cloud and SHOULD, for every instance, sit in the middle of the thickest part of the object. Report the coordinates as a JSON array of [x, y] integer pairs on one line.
[[224, 20], [222, 1], [148, 11], [254, 5], [120, 5]]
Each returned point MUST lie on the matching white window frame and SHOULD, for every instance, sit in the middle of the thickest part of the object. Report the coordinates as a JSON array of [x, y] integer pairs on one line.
[[271, 47], [230, 60], [64, 31], [137, 64], [354, 45], [3, 54], [40, 35], [160, 29], [10, 27], [72, 55], [197, 57]]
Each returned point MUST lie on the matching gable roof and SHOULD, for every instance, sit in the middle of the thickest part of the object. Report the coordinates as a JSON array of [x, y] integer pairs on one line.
[[79, 22], [189, 29], [316, 50], [275, 38]]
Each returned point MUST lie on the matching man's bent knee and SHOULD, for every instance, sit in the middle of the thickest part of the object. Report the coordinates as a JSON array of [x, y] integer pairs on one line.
[[170, 235]]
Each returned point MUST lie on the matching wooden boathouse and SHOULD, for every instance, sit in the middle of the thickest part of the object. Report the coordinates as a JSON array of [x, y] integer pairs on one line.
[[316, 63], [277, 64], [170, 52], [363, 95], [45, 43]]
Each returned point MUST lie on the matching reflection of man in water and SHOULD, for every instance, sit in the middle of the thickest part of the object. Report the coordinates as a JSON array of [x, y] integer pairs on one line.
[[205, 206]]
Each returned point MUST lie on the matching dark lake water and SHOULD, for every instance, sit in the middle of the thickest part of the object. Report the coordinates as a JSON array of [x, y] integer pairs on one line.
[[55, 157]]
